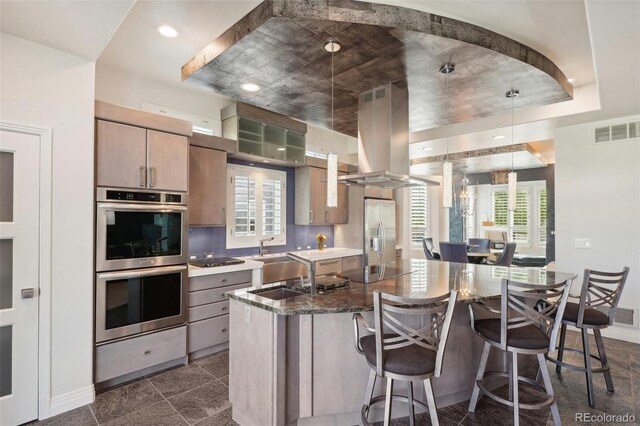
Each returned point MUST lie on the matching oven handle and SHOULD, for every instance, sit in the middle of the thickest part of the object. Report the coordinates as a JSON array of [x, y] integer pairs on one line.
[[142, 272], [146, 207]]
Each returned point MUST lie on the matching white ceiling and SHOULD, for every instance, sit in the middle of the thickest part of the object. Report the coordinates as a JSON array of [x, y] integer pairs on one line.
[[80, 27], [137, 47]]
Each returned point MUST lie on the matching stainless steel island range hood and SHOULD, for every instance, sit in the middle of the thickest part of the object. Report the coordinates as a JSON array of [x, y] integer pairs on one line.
[[383, 141]]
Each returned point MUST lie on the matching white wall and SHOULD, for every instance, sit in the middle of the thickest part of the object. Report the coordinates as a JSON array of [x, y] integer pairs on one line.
[[324, 141], [124, 88], [48, 88], [597, 197]]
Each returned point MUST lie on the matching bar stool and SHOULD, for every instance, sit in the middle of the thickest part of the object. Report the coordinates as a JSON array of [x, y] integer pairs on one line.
[[599, 289], [526, 325], [397, 351]]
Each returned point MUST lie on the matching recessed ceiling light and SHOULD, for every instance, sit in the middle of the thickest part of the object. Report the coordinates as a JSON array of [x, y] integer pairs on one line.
[[427, 148], [167, 31], [332, 46], [499, 137], [280, 149], [250, 87], [570, 80]]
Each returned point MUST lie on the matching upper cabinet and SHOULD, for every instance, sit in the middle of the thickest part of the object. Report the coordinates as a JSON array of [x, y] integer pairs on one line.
[[263, 133], [311, 199], [133, 157], [141, 150], [207, 187]]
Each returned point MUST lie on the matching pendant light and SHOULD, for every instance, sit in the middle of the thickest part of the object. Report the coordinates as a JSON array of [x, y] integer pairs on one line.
[[332, 157], [512, 178], [447, 167]]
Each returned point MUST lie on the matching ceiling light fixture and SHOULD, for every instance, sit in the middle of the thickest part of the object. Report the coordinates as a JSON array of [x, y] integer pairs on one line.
[[499, 137], [570, 80], [280, 149], [447, 166], [427, 148], [332, 158], [512, 178], [250, 87], [266, 161], [167, 31]]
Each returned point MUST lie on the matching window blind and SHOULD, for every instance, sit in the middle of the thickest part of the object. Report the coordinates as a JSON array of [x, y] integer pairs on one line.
[[419, 214]]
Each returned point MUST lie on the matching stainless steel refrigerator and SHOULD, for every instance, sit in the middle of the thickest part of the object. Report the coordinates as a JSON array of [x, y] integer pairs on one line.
[[379, 231]]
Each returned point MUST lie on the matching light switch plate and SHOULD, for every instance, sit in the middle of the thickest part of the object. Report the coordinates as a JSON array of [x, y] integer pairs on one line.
[[582, 243]]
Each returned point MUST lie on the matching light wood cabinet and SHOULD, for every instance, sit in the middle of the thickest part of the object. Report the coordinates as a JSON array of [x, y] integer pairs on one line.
[[311, 199], [122, 155], [207, 187], [133, 157]]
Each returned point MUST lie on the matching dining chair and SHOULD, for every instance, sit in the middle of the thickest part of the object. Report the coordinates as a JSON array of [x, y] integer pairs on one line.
[[506, 257], [600, 291], [453, 252], [427, 246], [399, 350], [527, 325], [480, 245]]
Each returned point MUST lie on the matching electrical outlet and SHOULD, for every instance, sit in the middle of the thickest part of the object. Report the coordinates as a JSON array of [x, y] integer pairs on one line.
[[582, 243]]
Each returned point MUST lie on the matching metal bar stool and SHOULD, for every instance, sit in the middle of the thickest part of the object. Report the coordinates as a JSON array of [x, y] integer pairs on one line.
[[526, 325], [599, 289], [397, 351]]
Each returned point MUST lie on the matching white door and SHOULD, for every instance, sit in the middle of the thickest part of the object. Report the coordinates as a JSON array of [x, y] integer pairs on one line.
[[19, 276]]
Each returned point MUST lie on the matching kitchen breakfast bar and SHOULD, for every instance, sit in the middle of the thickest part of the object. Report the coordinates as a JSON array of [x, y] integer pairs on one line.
[[293, 358]]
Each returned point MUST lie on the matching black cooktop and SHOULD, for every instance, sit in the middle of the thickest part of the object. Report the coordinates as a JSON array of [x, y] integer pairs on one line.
[[216, 261]]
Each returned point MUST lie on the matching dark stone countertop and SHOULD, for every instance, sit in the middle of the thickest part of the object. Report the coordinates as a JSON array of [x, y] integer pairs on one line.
[[427, 279]]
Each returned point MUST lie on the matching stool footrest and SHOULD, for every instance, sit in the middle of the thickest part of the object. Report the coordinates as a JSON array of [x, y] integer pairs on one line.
[[527, 406], [364, 412], [578, 367]]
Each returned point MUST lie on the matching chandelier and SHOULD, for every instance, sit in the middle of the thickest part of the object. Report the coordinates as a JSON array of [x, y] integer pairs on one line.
[[466, 201]]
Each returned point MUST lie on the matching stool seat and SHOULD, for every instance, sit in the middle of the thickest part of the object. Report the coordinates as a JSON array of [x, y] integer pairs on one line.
[[412, 360], [591, 316], [527, 337]]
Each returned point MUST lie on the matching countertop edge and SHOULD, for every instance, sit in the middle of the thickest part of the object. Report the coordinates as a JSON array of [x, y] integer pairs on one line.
[[195, 271]]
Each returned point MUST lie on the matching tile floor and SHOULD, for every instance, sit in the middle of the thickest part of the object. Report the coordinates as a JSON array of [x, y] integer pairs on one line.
[[197, 394]]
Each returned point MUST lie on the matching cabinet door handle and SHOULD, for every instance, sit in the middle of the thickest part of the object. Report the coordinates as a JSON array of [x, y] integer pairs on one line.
[[152, 177], [224, 280], [328, 263], [310, 215], [224, 330], [142, 176], [224, 308], [326, 216], [224, 215], [147, 352]]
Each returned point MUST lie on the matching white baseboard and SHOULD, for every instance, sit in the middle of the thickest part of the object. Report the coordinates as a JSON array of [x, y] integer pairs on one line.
[[72, 400], [627, 334]]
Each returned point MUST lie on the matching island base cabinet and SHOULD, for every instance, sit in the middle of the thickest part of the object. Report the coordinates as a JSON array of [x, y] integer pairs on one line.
[[304, 369]]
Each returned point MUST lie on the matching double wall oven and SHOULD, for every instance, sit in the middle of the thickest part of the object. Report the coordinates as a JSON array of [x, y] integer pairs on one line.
[[141, 262]]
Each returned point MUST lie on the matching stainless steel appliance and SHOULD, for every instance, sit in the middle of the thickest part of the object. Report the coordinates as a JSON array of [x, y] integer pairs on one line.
[[379, 231], [137, 229], [140, 300]]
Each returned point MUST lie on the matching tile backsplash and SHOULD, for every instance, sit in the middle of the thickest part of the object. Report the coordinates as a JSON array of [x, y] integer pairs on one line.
[[203, 240]]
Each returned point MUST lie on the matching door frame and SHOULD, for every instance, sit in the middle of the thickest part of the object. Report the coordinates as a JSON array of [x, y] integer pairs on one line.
[[44, 262]]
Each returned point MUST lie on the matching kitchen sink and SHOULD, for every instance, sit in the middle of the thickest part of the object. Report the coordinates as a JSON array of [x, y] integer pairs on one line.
[[277, 293], [280, 268]]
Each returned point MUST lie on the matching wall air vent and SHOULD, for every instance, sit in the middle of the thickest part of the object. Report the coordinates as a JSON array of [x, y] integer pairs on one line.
[[617, 132], [624, 316]]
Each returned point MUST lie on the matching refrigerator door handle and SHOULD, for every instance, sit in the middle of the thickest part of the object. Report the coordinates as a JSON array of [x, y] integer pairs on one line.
[[382, 235]]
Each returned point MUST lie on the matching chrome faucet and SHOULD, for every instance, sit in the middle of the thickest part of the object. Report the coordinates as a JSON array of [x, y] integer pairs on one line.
[[262, 251], [311, 269]]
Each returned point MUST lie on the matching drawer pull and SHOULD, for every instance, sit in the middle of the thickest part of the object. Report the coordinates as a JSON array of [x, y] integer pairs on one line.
[[147, 352], [224, 330], [224, 308], [224, 280], [328, 263]]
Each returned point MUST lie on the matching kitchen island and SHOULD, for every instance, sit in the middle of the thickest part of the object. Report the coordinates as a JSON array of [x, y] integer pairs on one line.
[[293, 361]]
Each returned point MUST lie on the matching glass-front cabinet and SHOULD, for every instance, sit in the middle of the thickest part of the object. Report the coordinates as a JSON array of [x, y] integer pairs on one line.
[[266, 134]]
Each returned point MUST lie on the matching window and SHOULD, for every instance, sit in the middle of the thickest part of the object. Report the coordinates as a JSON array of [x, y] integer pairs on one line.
[[419, 215], [522, 228], [471, 219], [256, 206]]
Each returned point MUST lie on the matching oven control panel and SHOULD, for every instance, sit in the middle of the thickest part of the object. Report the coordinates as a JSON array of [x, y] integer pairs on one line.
[[145, 197]]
